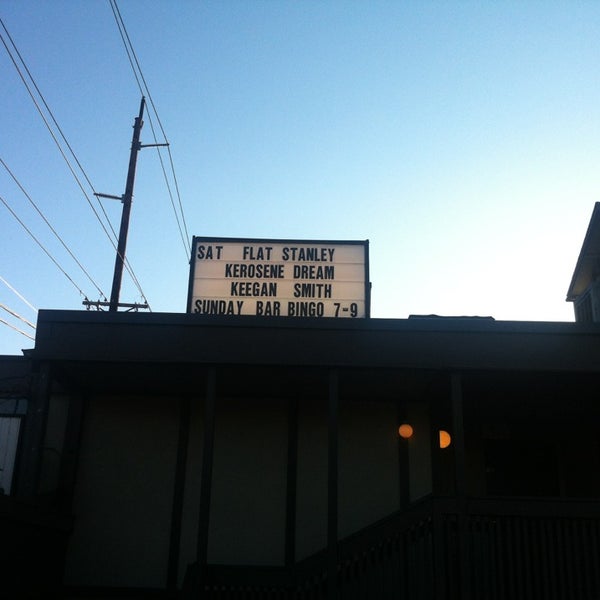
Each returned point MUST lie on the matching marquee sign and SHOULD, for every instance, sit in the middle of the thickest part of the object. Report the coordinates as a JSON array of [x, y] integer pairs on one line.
[[279, 278]]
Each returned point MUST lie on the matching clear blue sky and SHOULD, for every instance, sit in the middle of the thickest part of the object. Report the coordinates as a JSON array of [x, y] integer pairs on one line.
[[461, 138]]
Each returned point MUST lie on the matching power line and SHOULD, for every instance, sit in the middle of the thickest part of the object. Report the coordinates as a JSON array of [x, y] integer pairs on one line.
[[114, 237], [51, 228], [17, 329], [50, 129], [41, 246], [146, 91], [12, 289], [14, 314]]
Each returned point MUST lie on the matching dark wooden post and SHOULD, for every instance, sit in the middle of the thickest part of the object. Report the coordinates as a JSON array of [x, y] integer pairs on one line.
[[291, 483], [70, 452], [178, 493], [332, 487], [458, 441], [34, 433], [206, 478], [403, 463]]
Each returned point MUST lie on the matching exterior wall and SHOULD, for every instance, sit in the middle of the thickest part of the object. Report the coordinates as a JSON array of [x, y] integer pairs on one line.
[[123, 495], [368, 469], [368, 464], [311, 504], [524, 386], [419, 451], [247, 517]]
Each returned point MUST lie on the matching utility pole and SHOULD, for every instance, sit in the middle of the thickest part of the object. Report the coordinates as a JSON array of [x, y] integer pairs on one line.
[[126, 199]]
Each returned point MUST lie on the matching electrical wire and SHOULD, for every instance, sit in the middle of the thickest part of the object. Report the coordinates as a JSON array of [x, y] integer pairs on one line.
[[17, 329], [17, 315], [114, 235], [112, 239], [41, 246], [52, 228], [146, 91], [12, 289]]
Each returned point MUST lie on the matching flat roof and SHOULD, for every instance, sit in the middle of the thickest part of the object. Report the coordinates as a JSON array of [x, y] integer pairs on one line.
[[415, 343]]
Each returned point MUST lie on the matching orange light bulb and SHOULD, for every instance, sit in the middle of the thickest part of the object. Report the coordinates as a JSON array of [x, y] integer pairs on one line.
[[405, 431], [445, 439]]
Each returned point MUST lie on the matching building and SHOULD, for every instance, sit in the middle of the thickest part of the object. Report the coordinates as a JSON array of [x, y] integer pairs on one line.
[[180, 455]]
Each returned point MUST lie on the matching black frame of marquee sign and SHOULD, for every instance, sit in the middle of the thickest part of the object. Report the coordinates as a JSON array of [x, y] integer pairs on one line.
[[263, 241]]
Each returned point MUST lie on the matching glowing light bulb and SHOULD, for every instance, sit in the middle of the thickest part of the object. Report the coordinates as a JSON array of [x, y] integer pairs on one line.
[[445, 439], [405, 431]]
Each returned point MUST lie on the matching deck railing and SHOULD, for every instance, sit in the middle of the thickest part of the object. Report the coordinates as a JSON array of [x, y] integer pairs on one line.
[[444, 549]]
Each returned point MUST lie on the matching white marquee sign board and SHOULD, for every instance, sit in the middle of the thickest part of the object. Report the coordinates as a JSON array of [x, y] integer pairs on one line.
[[279, 278]]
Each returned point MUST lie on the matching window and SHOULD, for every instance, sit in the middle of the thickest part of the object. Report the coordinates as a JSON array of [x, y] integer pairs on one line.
[[12, 411]]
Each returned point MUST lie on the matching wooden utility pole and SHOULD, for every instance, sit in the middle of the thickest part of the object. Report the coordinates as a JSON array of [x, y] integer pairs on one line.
[[126, 199]]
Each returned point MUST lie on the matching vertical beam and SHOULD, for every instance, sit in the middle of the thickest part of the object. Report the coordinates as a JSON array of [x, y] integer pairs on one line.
[[435, 408], [70, 452], [207, 466], [332, 486], [178, 493], [460, 482], [403, 464], [291, 484], [458, 436], [34, 433]]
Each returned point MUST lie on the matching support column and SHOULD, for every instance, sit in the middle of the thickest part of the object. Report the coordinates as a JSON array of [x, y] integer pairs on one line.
[[291, 484], [332, 487], [206, 479], [70, 452], [460, 483], [403, 464], [178, 493], [458, 436], [34, 434]]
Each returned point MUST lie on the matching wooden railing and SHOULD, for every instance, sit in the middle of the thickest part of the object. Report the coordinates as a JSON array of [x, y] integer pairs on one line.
[[444, 549], [534, 550]]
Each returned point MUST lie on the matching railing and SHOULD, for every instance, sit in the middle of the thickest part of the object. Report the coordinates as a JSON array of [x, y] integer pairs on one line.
[[444, 549], [532, 550]]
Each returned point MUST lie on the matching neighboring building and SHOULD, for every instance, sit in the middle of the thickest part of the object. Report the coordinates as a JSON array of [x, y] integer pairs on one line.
[[584, 290], [189, 456]]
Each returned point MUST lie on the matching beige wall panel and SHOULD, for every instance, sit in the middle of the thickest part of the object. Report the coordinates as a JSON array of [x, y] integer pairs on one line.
[[311, 510], [124, 493], [247, 524], [368, 464]]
